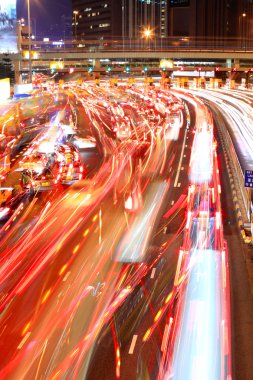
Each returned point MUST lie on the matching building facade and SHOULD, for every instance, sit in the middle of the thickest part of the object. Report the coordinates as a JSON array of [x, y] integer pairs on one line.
[[141, 15], [92, 19], [203, 19]]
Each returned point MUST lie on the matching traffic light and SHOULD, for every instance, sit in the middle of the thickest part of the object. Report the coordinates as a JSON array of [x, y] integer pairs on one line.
[[163, 68], [108, 69], [71, 70], [52, 71], [145, 68], [90, 69], [127, 69]]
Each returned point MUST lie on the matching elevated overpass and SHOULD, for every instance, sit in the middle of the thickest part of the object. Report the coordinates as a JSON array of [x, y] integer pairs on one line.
[[224, 54]]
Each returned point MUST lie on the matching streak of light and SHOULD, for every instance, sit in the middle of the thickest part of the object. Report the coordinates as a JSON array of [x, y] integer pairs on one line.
[[45, 296], [76, 249], [26, 328], [63, 268]]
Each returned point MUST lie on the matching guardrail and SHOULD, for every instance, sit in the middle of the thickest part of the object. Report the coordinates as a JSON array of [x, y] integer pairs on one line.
[[236, 168], [142, 44]]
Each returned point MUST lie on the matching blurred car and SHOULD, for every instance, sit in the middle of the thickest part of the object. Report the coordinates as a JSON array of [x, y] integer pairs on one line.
[[36, 162], [31, 180], [68, 174], [67, 154], [133, 200], [123, 131], [83, 143], [11, 204]]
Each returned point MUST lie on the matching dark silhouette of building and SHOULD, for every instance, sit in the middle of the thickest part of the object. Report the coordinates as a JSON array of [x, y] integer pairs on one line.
[[141, 15], [93, 19], [201, 19]]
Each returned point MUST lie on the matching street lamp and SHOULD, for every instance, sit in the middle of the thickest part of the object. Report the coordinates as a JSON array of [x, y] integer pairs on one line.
[[242, 28], [147, 33], [75, 16], [29, 42]]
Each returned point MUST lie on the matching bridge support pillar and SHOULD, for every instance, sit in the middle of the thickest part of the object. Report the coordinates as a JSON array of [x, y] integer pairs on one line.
[[229, 63], [17, 73], [236, 63], [97, 64]]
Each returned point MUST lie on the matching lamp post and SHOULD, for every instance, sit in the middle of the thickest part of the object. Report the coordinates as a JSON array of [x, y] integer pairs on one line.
[[147, 34], [29, 42], [75, 15], [242, 28]]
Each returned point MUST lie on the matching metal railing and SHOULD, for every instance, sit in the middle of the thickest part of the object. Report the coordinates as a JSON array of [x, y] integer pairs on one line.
[[154, 44]]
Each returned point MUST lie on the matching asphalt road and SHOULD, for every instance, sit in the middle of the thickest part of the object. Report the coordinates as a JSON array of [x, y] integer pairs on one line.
[[82, 312]]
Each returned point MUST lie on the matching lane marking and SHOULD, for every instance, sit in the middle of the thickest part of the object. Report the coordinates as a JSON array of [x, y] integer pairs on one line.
[[133, 343], [172, 203], [180, 161], [153, 273], [66, 276], [24, 340], [179, 184]]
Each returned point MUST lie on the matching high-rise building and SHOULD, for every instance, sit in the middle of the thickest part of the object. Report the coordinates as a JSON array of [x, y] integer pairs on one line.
[[96, 19], [141, 15], [66, 25], [211, 19], [204, 19]]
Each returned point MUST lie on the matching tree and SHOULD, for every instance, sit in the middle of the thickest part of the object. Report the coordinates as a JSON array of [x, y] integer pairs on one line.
[[7, 68]]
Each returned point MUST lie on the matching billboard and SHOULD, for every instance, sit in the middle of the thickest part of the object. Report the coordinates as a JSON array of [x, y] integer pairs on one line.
[[8, 34], [179, 3]]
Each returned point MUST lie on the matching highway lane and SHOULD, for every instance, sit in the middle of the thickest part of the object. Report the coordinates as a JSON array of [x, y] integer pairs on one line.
[[23, 284], [87, 303], [241, 290], [140, 351]]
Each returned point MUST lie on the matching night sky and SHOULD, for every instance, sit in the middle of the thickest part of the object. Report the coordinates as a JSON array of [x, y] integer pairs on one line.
[[46, 13]]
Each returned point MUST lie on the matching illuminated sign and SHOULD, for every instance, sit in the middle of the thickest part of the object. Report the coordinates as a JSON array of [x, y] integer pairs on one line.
[[179, 3], [166, 64], [8, 19], [56, 65], [34, 54]]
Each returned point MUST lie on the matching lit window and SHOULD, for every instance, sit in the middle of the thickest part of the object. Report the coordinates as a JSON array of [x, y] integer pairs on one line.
[[103, 25]]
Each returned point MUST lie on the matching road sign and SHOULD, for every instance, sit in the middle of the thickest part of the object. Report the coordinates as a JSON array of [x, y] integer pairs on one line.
[[248, 178]]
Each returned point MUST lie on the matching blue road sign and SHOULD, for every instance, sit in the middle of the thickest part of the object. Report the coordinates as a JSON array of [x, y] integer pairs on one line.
[[248, 178]]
